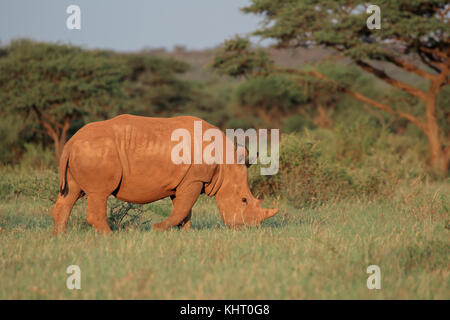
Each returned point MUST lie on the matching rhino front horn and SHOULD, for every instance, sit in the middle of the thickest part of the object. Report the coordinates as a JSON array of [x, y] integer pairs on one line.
[[271, 213]]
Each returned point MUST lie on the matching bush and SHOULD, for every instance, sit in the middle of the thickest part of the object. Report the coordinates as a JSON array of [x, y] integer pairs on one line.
[[123, 215], [38, 184], [304, 176], [356, 140], [359, 160], [9, 138], [36, 156], [297, 123]]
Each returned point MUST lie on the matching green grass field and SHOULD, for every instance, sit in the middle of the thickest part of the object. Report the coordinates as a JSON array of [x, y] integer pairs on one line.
[[313, 253]]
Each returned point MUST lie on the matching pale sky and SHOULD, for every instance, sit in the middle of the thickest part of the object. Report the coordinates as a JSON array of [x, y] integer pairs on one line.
[[127, 25]]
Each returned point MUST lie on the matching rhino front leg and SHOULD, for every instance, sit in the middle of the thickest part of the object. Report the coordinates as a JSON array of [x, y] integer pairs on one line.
[[186, 223], [185, 197]]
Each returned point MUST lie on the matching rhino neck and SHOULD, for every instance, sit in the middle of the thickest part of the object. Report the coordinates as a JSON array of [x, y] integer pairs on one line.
[[216, 181]]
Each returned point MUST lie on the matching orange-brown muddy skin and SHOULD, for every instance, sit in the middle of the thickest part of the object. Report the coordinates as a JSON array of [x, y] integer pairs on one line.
[[130, 157]]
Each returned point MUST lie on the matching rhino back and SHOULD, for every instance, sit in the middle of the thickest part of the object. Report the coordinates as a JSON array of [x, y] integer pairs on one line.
[[143, 147]]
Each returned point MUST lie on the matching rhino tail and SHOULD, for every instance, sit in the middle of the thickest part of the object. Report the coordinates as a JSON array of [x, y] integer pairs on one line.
[[63, 164]]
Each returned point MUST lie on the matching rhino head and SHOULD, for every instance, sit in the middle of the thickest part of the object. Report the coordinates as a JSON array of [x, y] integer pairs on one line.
[[236, 204]]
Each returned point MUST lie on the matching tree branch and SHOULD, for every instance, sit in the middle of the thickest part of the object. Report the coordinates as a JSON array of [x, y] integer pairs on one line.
[[428, 62], [51, 132], [65, 129], [410, 68], [434, 51], [359, 96], [393, 82]]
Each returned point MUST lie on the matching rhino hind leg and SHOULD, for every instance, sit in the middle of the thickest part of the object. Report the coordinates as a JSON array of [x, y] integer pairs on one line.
[[64, 204], [184, 199], [95, 165], [96, 212]]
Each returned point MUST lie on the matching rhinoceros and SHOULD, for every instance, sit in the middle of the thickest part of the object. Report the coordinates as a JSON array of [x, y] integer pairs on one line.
[[130, 157]]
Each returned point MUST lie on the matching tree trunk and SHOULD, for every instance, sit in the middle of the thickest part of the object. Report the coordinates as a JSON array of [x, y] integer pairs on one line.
[[60, 141], [55, 130], [322, 119], [59, 146], [438, 159]]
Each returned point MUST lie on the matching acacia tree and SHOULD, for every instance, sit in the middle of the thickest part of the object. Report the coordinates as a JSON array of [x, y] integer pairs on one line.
[[57, 84], [61, 87], [409, 28], [153, 88], [273, 97], [271, 92]]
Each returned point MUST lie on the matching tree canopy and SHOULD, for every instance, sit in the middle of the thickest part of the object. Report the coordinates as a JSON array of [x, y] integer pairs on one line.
[[56, 84], [414, 37], [61, 87]]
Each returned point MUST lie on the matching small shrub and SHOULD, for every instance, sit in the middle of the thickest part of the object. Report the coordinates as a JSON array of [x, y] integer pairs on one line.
[[123, 215], [430, 255]]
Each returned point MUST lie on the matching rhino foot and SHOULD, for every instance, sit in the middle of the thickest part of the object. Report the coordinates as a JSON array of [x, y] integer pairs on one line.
[[185, 226], [161, 226]]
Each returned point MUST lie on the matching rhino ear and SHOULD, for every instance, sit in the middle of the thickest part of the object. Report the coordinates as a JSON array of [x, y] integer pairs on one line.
[[241, 152], [245, 158], [249, 161], [242, 159]]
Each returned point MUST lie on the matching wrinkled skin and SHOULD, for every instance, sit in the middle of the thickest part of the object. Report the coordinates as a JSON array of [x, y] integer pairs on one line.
[[130, 158]]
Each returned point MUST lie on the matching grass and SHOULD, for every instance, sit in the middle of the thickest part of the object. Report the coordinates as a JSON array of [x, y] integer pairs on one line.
[[313, 253]]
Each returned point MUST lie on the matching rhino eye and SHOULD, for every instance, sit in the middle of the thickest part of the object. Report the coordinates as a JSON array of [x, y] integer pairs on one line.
[[244, 200]]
